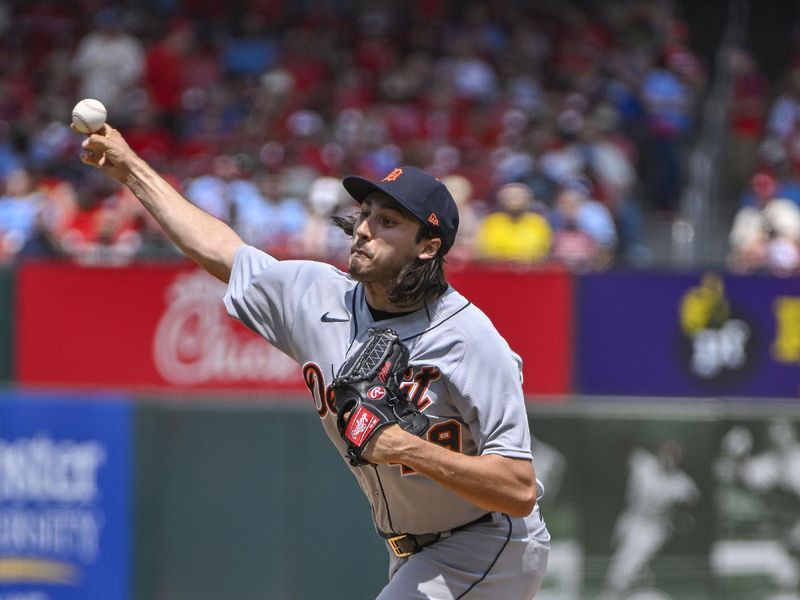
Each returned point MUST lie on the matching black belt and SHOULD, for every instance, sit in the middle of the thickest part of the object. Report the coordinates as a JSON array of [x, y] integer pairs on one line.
[[406, 544]]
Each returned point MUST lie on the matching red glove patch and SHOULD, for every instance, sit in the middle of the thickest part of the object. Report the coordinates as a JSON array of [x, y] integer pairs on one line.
[[360, 425]]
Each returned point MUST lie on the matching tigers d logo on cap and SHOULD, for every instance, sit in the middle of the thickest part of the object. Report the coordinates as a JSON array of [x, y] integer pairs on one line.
[[393, 175]]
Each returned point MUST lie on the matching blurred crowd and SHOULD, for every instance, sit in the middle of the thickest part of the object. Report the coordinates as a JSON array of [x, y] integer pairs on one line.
[[555, 127], [764, 161]]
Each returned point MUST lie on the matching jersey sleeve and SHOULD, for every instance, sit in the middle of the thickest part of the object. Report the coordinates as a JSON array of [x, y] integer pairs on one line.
[[486, 386], [264, 293]]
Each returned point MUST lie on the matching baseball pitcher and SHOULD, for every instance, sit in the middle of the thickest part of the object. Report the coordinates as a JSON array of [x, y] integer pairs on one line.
[[413, 385]]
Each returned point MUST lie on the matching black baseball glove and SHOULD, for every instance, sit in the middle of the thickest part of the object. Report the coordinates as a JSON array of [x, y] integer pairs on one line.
[[367, 393]]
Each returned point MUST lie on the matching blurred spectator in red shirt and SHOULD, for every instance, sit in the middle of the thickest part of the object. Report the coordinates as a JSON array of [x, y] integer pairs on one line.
[[17, 93], [581, 45], [57, 211], [748, 109], [104, 229], [302, 57], [149, 138], [165, 71]]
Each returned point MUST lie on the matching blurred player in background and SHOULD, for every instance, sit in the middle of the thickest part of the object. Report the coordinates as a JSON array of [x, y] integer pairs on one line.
[[758, 493], [656, 488]]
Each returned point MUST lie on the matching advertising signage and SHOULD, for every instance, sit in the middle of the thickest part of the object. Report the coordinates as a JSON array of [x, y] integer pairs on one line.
[[164, 327], [65, 489], [701, 334], [151, 327]]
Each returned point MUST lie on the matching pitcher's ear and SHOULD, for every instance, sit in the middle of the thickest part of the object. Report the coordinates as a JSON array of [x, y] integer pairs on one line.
[[429, 247]]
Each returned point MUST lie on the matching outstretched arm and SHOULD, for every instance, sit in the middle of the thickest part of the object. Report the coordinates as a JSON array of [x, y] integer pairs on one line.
[[205, 239]]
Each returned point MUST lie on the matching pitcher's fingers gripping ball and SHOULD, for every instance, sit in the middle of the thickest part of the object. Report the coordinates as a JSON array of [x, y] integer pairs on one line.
[[108, 151], [89, 115], [368, 396]]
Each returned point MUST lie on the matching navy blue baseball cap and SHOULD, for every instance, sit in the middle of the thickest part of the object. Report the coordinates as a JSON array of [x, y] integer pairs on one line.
[[421, 194]]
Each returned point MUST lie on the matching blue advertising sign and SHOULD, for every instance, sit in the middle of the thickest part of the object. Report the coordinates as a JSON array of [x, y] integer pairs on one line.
[[700, 334], [65, 479]]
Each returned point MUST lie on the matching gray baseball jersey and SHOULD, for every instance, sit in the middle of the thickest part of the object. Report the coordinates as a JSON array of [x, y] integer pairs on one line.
[[465, 377]]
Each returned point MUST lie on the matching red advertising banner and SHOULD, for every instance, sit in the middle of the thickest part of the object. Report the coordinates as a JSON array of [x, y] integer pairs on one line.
[[165, 327], [532, 310], [150, 326]]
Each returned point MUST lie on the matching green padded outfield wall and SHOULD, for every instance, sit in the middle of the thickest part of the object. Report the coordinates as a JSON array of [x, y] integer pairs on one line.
[[6, 324], [247, 502], [250, 502]]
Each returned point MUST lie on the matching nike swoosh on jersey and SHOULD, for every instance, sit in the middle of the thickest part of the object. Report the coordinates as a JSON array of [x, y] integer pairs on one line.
[[326, 319]]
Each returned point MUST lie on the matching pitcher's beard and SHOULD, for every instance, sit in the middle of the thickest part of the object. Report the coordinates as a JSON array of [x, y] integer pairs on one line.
[[358, 267], [362, 268], [364, 271]]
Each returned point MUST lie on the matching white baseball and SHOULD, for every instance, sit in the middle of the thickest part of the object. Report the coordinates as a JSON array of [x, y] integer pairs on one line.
[[89, 115]]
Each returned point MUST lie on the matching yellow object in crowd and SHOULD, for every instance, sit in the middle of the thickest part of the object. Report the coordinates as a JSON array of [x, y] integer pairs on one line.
[[523, 238]]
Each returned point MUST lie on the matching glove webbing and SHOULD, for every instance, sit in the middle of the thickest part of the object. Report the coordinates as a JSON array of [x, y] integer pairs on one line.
[[370, 359]]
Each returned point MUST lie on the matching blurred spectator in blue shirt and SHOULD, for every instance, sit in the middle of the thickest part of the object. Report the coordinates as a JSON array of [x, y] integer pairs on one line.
[[669, 105], [10, 157], [585, 237], [19, 205], [784, 116], [210, 193], [250, 51]]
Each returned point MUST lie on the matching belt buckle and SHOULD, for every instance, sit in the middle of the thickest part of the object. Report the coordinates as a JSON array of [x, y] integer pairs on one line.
[[394, 543]]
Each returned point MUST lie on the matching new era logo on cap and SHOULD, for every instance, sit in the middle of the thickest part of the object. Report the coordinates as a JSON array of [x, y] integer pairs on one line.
[[419, 193]]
